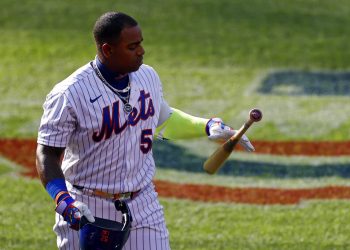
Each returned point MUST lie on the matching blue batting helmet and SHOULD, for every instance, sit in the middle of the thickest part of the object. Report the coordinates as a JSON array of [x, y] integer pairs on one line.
[[106, 234]]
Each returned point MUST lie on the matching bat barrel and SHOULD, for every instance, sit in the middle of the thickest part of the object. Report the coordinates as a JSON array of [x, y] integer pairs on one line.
[[216, 160]]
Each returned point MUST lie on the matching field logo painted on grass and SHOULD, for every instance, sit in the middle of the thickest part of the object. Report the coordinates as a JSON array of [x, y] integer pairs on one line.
[[167, 156], [306, 83], [23, 152]]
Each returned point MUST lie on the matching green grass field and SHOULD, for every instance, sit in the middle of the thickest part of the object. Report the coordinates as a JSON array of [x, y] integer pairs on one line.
[[212, 57], [27, 218]]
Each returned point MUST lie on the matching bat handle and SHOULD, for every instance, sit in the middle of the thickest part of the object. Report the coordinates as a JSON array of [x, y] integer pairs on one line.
[[217, 159], [255, 115], [231, 143]]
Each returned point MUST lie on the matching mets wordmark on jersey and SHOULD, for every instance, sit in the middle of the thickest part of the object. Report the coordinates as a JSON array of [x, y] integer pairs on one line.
[[106, 148]]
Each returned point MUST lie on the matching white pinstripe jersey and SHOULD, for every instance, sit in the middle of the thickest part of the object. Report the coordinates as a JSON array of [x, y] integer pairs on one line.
[[106, 148]]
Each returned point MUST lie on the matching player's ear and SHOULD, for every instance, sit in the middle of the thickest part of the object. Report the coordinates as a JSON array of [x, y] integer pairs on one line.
[[106, 50]]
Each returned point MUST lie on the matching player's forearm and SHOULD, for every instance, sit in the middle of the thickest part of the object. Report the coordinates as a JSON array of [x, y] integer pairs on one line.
[[48, 163], [181, 125]]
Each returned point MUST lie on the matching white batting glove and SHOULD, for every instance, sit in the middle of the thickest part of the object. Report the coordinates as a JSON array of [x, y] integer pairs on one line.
[[218, 131], [84, 211], [73, 210]]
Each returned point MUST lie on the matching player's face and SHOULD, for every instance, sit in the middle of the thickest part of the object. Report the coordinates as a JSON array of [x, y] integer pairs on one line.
[[126, 55]]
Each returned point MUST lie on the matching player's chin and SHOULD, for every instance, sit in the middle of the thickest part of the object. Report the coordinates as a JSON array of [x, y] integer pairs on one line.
[[140, 61], [137, 65]]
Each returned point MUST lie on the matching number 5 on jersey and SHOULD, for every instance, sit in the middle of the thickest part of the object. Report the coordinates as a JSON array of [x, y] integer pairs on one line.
[[146, 141]]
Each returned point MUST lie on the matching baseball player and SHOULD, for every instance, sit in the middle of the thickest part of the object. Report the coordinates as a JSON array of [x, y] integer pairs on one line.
[[96, 133]]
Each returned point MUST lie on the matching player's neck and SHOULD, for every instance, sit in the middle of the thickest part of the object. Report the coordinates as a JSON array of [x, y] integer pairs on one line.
[[107, 73]]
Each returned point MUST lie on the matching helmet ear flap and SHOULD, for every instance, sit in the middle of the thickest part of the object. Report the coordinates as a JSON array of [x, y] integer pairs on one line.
[[105, 234]]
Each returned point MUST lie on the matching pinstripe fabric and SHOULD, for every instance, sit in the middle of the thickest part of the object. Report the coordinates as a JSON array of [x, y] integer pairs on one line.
[[107, 149], [148, 231]]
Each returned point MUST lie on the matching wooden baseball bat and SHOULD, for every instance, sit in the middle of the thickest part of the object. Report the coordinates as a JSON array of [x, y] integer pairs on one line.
[[215, 161]]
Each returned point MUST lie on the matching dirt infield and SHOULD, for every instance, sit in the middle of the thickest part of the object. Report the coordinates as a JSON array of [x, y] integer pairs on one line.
[[22, 152]]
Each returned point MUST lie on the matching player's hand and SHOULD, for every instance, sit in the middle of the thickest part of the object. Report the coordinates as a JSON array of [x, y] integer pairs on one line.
[[72, 211], [218, 131]]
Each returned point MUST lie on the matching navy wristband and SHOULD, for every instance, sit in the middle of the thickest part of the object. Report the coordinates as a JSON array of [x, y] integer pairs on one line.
[[55, 186]]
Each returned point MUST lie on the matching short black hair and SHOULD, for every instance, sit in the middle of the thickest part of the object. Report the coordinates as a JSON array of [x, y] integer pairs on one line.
[[109, 26]]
